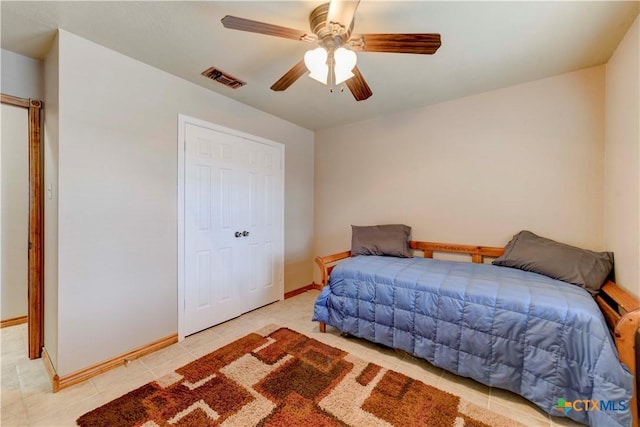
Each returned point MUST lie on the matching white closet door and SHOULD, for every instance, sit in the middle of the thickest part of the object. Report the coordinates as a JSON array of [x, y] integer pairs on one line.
[[233, 226], [263, 219]]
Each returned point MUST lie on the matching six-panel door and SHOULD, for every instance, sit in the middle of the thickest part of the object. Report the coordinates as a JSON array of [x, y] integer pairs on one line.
[[233, 226]]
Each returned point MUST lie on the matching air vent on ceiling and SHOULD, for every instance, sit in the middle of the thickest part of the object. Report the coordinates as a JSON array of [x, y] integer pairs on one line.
[[222, 77]]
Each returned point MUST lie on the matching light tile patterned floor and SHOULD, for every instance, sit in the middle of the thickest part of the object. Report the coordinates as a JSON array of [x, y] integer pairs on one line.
[[27, 399]]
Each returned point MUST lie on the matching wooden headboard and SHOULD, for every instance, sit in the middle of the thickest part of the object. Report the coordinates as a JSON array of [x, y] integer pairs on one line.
[[621, 310]]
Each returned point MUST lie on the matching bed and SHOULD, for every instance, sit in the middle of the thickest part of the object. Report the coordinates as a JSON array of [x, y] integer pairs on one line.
[[521, 331]]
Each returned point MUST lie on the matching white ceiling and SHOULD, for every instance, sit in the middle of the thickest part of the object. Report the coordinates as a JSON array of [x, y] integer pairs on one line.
[[485, 46]]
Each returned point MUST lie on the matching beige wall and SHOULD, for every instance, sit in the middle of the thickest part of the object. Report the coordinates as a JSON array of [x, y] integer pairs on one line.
[[474, 170], [622, 160], [50, 144], [117, 197], [21, 76], [14, 167]]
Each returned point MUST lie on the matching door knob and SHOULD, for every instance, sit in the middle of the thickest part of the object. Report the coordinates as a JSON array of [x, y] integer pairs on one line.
[[245, 233], [238, 234]]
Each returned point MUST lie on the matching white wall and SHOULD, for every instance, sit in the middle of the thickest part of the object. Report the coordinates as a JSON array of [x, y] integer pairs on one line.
[[622, 160], [14, 167], [474, 170], [50, 144], [21, 76], [117, 178]]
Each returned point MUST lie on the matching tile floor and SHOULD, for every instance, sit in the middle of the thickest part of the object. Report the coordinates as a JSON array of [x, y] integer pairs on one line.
[[27, 399]]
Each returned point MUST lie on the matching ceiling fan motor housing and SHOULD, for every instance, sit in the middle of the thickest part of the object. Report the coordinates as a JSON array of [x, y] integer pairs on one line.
[[330, 35]]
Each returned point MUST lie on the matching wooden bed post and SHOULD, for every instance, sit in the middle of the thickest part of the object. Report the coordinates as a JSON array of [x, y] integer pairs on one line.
[[325, 270], [322, 327], [622, 313], [625, 337]]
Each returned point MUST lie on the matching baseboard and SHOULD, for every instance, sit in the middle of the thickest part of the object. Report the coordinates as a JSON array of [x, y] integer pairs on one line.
[[13, 321], [48, 364], [311, 287], [61, 382]]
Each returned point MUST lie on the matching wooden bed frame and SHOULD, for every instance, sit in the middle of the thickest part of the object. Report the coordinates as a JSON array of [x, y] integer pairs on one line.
[[621, 310]]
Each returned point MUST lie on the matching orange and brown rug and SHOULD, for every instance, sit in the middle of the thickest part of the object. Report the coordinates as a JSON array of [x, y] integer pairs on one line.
[[279, 377]]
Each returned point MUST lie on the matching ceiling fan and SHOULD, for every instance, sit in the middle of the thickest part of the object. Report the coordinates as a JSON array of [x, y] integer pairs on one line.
[[334, 60]]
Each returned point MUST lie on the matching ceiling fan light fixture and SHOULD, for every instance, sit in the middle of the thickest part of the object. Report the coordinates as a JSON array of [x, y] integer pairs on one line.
[[345, 62], [316, 62], [342, 61]]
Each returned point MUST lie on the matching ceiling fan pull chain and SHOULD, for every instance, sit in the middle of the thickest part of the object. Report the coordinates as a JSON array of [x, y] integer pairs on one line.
[[331, 63]]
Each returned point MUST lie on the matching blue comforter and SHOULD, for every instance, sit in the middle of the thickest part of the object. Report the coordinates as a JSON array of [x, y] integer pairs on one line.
[[538, 337]]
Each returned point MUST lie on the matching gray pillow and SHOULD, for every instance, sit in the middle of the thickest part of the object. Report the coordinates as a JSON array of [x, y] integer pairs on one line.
[[389, 240], [581, 267]]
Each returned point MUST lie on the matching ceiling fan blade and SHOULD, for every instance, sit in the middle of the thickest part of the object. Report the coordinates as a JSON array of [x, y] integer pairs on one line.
[[290, 77], [396, 43], [235, 23], [342, 12], [358, 86]]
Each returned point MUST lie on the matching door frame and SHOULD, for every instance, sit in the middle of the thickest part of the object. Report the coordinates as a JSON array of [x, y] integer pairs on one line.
[[35, 286], [183, 120]]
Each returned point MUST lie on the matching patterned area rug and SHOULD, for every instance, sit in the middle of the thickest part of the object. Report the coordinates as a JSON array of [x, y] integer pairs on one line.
[[278, 377]]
